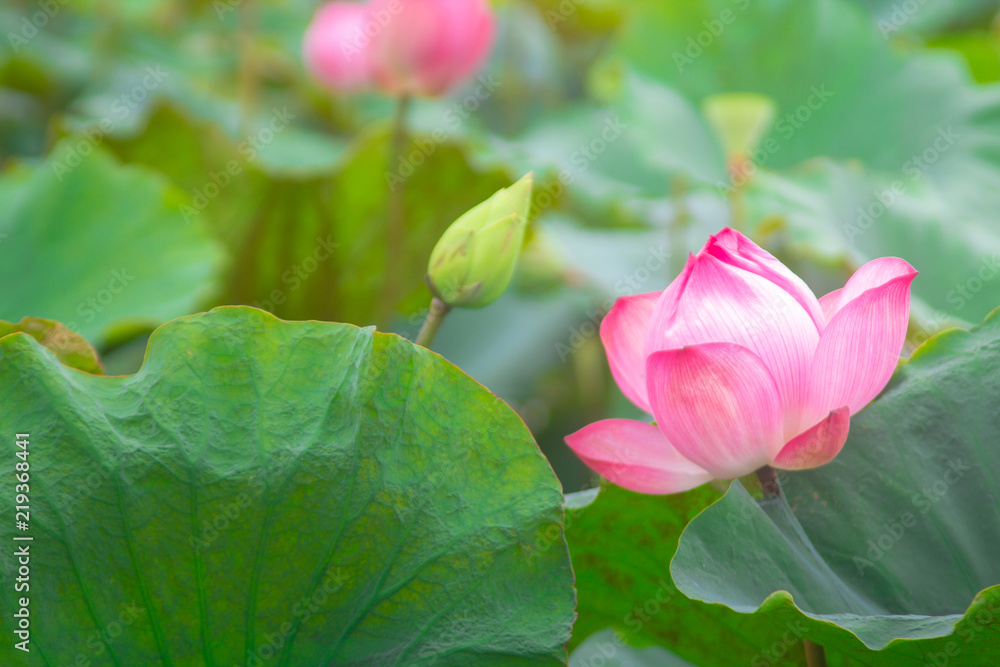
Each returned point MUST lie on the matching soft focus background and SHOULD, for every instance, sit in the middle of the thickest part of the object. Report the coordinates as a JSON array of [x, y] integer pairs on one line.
[[159, 158]]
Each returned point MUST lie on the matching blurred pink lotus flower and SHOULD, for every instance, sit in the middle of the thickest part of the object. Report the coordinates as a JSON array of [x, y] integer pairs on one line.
[[742, 366], [401, 47], [335, 46]]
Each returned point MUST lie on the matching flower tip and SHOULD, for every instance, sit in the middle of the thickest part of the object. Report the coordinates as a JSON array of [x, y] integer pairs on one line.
[[524, 185]]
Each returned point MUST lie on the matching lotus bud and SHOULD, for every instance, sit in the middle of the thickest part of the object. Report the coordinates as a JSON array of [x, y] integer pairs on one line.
[[474, 260], [336, 46]]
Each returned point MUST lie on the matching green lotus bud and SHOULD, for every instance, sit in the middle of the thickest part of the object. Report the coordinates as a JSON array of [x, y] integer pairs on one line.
[[474, 260]]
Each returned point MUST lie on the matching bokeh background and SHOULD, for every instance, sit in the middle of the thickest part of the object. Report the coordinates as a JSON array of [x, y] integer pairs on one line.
[[158, 158]]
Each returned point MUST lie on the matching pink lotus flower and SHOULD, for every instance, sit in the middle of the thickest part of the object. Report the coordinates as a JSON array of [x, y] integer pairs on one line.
[[336, 46], [430, 45], [421, 47], [741, 366]]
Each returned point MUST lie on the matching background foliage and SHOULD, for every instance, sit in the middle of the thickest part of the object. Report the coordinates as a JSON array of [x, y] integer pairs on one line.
[[159, 158]]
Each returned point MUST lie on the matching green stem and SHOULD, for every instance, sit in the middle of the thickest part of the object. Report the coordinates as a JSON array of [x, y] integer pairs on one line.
[[815, 655], [394, 228], [679, 189], [435, 316], [737, 200], [737, 205]]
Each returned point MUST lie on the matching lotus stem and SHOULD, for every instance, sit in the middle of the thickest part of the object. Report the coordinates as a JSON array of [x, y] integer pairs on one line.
[[435, 316], [769, 481], [394, 227], [815, 654]]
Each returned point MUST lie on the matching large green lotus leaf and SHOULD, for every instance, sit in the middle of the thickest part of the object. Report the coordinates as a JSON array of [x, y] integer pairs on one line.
[[622, 543], [833, 212], [894, 544], [869, 103], [92, 243], [615, 165], [309, 493], [312, 244], [838, 50]]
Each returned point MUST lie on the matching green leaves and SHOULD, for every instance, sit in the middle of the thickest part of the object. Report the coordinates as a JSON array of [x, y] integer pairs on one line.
[[306, 493], [91, 243], [622, 544], [831, 211], [894, 543], [311, 242]]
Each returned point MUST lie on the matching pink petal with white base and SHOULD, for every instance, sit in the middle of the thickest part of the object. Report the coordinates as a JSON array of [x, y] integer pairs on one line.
[[636, 456], [623, 332], [718, 404], [818, 445]]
